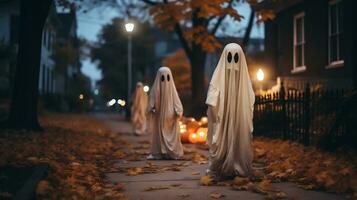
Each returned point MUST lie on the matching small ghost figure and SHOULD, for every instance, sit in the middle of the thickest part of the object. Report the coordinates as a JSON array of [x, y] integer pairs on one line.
[[230, 101], [164, 110], [138, 109]]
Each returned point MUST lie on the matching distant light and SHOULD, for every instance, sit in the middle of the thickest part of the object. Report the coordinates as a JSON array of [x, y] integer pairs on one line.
[[146, 88], [81, 96], [121, 102], [129, 27], [111, 102], [194, 135], [260, 75], [96, 92]]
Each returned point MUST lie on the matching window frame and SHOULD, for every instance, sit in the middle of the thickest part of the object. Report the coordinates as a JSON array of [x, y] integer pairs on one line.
[[297, 69], [339, 62]]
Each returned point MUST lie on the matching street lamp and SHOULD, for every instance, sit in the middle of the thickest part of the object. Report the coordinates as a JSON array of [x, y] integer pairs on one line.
[[146, 88], [129, 27]]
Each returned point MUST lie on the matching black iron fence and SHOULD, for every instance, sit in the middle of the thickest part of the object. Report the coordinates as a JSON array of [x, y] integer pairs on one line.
[[305, 116]]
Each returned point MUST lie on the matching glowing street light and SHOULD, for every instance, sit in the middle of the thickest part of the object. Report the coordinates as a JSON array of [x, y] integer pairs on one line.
[[81, 96], [146, 88], [129, 27], [121, 102], [111, 102], [260, 75], [96, 92]]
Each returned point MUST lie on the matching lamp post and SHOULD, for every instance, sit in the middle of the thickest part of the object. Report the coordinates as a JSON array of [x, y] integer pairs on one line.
[[129, 27]]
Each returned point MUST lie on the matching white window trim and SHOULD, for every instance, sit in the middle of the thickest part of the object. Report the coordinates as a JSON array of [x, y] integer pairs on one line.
[[298, 69], [340, 62]]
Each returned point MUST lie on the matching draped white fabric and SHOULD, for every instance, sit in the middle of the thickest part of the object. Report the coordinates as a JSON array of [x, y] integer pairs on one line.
[[164, 110], [138, 109], [230, 101]]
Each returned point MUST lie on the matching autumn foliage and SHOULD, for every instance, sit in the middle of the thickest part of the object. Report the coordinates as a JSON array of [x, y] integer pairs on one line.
[[180, 67], [79, 151]]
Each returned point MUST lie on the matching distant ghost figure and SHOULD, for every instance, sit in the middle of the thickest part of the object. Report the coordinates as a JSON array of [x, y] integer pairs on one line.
[[230, 101], [164, 110], [138, 109]]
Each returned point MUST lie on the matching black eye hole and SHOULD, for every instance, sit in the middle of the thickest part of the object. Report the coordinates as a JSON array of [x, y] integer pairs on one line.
[[236, 57], [162, 78], [168, 77], [229, 57]]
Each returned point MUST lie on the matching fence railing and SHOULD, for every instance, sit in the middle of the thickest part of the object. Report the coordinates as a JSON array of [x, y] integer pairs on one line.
[[304, 116]]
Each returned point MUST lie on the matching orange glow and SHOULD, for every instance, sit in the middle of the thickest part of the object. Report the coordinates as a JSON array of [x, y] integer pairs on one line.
[[198, 137]]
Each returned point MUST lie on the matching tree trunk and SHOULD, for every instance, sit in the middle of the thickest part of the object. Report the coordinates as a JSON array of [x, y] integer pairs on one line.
[[23, 110], [197, 62], [246, 37]]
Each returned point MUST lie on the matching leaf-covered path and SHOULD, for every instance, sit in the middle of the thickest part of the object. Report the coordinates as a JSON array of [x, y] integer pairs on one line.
[[142, 179]]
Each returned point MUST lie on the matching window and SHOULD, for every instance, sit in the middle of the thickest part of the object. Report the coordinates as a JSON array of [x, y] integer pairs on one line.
[[335, 33], [299, 43]]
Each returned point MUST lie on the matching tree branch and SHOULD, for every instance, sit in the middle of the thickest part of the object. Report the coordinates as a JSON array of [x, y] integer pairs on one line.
[[249, 29], [152, 3], [220, 19], [183, 41]]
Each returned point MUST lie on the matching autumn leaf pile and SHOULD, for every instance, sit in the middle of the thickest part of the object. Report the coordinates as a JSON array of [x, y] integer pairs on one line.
[[79, 151], [309, 167]]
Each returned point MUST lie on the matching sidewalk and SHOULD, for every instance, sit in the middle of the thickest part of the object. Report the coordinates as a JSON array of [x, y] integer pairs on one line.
[[177, 179]]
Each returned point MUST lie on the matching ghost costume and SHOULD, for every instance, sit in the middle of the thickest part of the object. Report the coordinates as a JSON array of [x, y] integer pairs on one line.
[[138, 109], [230, 101], [164, 110]]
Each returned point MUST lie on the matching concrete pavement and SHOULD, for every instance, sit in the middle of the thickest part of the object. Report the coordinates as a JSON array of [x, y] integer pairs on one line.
[[182, 183]]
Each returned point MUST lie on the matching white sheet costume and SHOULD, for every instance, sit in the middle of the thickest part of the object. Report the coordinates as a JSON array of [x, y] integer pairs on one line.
[[164, 110], [230, 101], [138, 109]]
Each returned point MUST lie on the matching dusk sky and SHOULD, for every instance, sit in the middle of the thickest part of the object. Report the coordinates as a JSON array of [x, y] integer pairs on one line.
[[90, 24]]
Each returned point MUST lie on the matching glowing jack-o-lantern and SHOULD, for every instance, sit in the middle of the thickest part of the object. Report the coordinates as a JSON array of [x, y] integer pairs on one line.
[[199, 136]]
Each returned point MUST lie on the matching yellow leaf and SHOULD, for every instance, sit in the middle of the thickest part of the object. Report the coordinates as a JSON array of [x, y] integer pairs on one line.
[[134, 171], [216, 195], [206, 180]]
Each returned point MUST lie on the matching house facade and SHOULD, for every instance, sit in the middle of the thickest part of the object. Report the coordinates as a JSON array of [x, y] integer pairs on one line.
[[59, 28], [312, 41]]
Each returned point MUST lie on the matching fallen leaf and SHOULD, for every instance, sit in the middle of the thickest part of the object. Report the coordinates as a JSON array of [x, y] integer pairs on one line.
[[43, 188], [216, 195], [206, 180], [119, 186], [196, 173], [119, 154], [159, 187], [240, 181], [134, 171]]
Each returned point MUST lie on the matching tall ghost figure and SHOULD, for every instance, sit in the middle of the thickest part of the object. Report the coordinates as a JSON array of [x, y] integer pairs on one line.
[[230, 101], [164, 110], [138, 109]]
